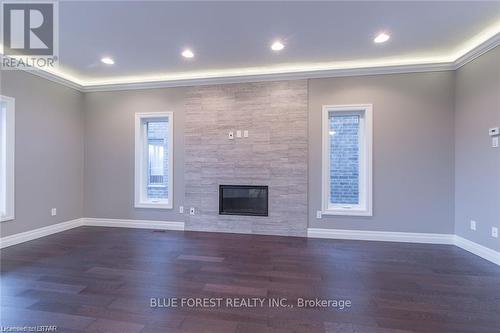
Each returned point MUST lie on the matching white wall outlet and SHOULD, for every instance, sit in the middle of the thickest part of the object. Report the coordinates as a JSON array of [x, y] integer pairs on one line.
[[494, 142], [472, 225], [230, 135], [245, 133], [494, 131], [494, 232], [181, 209], [191, 211], [319, 214], [238, 133], [53, 212]]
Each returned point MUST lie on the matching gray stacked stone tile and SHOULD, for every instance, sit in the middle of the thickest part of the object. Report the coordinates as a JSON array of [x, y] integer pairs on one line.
[[274, 154]]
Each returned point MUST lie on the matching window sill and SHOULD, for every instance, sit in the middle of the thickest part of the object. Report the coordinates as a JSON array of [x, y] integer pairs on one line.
[[154, 205], [347, 212], [6, 218]]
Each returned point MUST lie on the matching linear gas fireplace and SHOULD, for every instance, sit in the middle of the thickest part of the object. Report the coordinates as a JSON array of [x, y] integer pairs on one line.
[[243, 200]]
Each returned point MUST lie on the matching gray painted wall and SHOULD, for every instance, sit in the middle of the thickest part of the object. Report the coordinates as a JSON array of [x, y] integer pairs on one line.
[[109, 152], [477, 165], [274, 154], [412, 150], [413, 182], [49, 151]]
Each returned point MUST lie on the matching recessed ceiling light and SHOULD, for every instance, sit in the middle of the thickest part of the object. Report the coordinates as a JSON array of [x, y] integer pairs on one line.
[[107, 61], [187, 53], [277, 46], [381, 38]]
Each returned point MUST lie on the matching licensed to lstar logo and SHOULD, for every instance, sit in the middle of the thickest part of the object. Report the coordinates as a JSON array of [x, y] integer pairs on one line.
[[30, 34]]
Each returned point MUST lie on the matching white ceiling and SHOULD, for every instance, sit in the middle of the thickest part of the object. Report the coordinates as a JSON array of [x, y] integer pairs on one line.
[[146, 38]]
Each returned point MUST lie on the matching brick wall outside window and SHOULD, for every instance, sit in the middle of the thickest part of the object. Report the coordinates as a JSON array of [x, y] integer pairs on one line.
[[159, 131], [344, 159]]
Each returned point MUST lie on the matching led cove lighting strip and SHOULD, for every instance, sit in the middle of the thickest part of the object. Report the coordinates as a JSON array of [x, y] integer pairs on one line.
[[487, 34]]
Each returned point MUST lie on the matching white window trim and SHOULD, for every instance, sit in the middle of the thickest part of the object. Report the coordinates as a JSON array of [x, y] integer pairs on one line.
[[141, 161], [365, 208], [10, 158]]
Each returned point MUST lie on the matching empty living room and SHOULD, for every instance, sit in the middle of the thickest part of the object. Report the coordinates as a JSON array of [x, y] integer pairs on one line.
[[250, 166]]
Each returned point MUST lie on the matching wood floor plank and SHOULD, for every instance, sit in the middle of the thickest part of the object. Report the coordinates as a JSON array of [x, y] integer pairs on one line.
[[200, 258], [14, 317], [113, 326], [235, 290]]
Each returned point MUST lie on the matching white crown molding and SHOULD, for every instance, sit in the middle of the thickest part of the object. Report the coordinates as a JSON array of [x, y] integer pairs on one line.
[[383, 236], [141, 224], [478, 51], [479, 250], [38, 233], [294, 75], [55, 78], [314, 74]]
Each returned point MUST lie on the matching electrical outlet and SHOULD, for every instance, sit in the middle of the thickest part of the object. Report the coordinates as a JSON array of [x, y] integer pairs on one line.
[[191, 211], [472, 225], [245, 133], [181, 209], [53, 212], [319, 214], [238, 133], [494, 232]]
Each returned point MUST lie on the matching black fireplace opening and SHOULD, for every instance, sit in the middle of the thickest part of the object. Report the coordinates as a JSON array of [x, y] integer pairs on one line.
[[243, 200]]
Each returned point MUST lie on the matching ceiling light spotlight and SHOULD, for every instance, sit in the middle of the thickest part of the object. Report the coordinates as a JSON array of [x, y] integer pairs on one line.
[[277, 46], [187, 53], [381, 38], [107, 61]]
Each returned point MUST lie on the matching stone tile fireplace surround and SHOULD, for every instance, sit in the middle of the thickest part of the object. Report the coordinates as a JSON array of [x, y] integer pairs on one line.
[[274, 154]]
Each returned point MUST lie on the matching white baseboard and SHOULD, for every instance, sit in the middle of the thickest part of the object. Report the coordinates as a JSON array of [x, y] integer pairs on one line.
[[55, 228], [479, 250], [40, 232], [141, 224], [408, 237]]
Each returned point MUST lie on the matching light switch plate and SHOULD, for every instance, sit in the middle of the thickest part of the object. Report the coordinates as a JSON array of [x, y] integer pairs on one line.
[[494, 142], [472, 225], [494, 232], [238, 134], [181, 209], [53, 212], [319, 214], [245, 133], [230, 136], [191, 211]]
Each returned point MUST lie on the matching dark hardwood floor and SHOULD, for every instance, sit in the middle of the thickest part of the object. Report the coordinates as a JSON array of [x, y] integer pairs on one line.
[[94, 279]]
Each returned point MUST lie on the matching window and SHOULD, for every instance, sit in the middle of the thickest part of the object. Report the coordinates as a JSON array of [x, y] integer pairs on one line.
[[347, 160], [153, 160], [6, 158], [157, 160]]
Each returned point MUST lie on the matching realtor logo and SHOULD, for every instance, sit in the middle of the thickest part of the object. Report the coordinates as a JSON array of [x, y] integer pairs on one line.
[[29, 34]]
